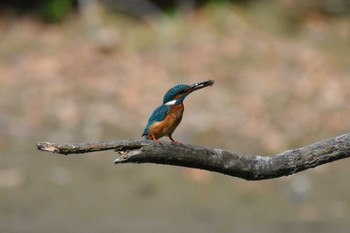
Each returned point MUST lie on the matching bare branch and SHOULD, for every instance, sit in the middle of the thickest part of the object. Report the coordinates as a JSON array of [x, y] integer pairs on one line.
[[230, 163]]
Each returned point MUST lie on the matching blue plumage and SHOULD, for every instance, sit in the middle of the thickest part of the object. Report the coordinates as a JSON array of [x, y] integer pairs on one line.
[[158, 115], [159, 124], [163, 110], [173, 92]]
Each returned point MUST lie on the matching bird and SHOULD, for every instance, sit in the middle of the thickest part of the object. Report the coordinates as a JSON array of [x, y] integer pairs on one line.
[[168, 116]]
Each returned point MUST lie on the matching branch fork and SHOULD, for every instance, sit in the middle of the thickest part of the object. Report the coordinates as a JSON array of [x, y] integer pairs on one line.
[[249, 167]]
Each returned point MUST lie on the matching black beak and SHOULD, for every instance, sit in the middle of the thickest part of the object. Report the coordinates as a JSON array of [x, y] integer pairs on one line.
[[197, 86]]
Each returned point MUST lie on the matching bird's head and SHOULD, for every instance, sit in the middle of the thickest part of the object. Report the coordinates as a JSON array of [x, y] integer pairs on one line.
[[178, 93]]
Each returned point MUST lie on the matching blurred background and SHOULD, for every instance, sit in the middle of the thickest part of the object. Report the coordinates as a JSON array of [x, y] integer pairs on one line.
[[87, 71]]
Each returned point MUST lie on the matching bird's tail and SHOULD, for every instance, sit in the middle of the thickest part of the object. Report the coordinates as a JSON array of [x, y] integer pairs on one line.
[[145, 134]]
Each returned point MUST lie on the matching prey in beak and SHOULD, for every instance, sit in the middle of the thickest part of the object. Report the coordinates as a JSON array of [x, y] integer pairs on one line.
[[188, 89]]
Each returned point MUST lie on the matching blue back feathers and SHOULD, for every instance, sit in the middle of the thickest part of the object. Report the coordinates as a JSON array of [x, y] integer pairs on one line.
[[158, 115], [162, 111]]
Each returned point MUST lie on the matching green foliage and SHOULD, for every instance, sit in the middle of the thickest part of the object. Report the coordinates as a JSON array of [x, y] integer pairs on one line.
[[56, 10]]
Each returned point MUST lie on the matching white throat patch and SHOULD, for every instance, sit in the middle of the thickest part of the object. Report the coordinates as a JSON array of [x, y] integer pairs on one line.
[[172, 102]]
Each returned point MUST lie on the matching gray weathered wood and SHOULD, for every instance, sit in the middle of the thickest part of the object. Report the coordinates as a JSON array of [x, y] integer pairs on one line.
[[230, 163]]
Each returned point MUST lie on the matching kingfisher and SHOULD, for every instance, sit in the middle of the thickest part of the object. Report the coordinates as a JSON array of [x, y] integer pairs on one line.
[[167, 116]]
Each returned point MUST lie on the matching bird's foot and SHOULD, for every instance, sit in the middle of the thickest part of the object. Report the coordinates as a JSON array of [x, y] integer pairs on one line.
[[176, 142], [155, 139]]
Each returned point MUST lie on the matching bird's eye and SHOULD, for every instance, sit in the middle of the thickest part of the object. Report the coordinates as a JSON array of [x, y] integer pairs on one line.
[[183, 91]]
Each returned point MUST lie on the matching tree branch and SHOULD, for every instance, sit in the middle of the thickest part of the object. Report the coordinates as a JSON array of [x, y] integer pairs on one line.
[[230, 163]]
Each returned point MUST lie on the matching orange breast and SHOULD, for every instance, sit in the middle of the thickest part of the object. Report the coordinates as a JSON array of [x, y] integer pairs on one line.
[[169, 124]]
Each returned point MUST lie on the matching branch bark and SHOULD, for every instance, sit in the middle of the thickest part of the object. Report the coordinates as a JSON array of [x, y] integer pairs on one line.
[[229, 163]]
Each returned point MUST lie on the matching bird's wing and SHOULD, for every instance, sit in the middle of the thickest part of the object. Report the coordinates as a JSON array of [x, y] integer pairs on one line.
[[157, 116], [160, 113]]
